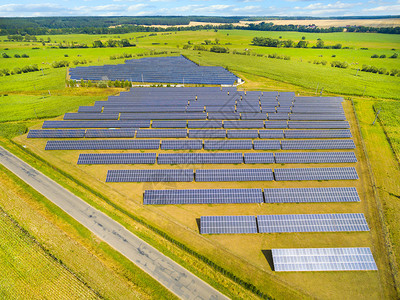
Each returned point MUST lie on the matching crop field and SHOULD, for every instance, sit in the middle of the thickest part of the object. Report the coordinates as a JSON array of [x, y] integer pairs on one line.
[[29, 98]]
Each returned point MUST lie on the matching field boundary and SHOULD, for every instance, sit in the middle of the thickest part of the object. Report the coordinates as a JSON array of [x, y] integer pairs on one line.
[[388, 243]]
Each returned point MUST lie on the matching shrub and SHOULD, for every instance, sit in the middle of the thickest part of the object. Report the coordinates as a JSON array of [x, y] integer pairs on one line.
[[60, 64], [339, 64], [219, 49], [333, 55], [363, 48], [337, 46], [375, 56], [382, 56], [17, 56], [65, 55], [382, 71], [5, 55], [25, 55], [324, 62], [395, 55], [286, 57], [394, 72]]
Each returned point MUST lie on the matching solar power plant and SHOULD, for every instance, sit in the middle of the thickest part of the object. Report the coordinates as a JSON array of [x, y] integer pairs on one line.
[[207, 133], [243, 124], [144, 109], [278, 116], [163, 116], [311, 195], [268, 109], [317, 144], [204, 124], [315, 157], [89, 109], [234, 175], [312, 223], [253, 116], [181, 175], [228, 145], [194, 108], [319, 125], [281, 110], [207, 196], [182, 145], [227, 224], [200, 158], [168, 124], [248, 109], [310, 109], [348, 173], [103, 145], [276, 124], [220, 109], [319, 99], [323, 259], [91, 116], [267, 145], [116, 158], [223, 116], [96, 124], [317, 117], [111, 133], [74, 133], [161, 133], [271, 134], [242, 134], [259, 158], [317, 134]]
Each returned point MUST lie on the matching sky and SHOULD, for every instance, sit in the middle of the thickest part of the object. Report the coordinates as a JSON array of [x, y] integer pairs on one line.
[[319, 8]]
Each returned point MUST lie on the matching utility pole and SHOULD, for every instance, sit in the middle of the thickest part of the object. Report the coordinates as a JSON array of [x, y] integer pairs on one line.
[[376, 116], [316, 91]]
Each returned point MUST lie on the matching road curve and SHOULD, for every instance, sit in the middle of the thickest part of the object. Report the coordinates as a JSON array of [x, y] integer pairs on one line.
[[177, 279]]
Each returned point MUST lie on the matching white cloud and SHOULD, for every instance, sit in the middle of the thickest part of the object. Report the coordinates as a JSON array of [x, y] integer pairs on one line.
[[384, 10]]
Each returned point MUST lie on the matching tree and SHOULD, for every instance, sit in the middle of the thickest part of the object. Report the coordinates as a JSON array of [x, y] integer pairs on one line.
[[217, 41], [97, 44], [302, 44], [303, 38], [320, 44]]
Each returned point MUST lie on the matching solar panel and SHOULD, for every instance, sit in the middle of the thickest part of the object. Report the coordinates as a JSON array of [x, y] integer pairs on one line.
[[319, 125], [163, 116], [276, 124], [317, 134], [204, 124], [228, 145], [317, 117], [117, 158], [259, 158], [323, 259], [206, 196], [244, 124], [181, 145], [168, 124], [91, 116], [161, 133], [213, 175], [278, 116], [317, 144], [97, 124], [271, 134], [223, 116], [200, 158], [267, 145], [207, 133], [110, 133], [227, 224], [315, 157], [253, 116], [181, 175], [37, 133], [242, 133], [89, 109], [103, 145], [348, 173], [312, 223], [300, 195]]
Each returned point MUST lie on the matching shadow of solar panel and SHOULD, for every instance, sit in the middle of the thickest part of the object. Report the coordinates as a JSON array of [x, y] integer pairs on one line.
[[318, 125], [243, 133], [315, 157], [317, 134], [204, 124], [253, 116], [103, 145], [271, 134], [182, 175], [312, 223], [168, 124], [37, 133], [259, 158], [267, 145], [228, 145], [200, 158], [96, 124], [110, 133], [301, 174], [234, 175], [317, 144], [301, 195], [91, 116], [116, 158], [243, 124], [161, 133], [206, 196], [182, 145], [227, 224], [323, 259], [207, 133]]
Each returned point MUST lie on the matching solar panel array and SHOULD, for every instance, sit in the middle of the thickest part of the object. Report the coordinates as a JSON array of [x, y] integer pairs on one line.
[[181, 175], [182, 145], [110, 133], [317, 144], [117, 158], [200, 158], [161, 133], [347, 173], [259, 158], [323, 259], [234, 175], [103, 145], [97, 124], [77, 133], [227, 224], [314, 157]]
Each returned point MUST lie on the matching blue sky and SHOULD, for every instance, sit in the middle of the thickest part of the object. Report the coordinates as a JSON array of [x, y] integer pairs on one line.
[[319, 8]]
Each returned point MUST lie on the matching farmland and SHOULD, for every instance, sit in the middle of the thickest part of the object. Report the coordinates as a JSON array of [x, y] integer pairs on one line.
[[37, 95]]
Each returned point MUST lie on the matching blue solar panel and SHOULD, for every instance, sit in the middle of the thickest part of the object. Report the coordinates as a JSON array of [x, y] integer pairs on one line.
[[213, 175], [110, 133], [206, 196], [278, 116], [349, 173], [317, 134], [91, 116], [253, 116], [103, 145], [259, 158], [223, 116], [117, 158], [318, 125], [204, 124], [267, 145], [200, 158], [37, 133], [182, 145], [227, 224], [242, 133], [207, 133], [161, 133], [96, 124], [168, 124], [317, 117], [300, 195], [244, 124], [163, 116], [315, 157], [317, 144], [89, 109], [276, 124], [271, 134], [228, 145], [181, 175]]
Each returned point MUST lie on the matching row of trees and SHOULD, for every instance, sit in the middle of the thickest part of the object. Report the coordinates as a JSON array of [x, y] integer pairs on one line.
[[5, 55], [373, 69], [112, 43], [25, 69], [270, 42]]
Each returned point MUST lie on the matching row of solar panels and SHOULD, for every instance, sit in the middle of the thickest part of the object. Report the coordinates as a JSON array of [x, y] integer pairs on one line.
[[197, 124], [218, 158], [192, 133], [234, 196], [283, 223], [216, 175], [154, 144]]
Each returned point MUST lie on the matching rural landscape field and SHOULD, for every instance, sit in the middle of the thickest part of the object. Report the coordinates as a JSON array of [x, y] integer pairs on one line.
[[50, 254]]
